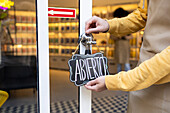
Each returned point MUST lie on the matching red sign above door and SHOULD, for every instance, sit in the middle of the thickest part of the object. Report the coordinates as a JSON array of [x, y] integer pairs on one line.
[[61, 12]]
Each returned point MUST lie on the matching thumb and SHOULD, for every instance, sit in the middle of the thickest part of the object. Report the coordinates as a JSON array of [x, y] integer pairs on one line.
[[91, 83]]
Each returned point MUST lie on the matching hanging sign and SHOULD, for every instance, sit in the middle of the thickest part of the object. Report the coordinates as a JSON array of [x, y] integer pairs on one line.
[[56, 12], [84, 68]]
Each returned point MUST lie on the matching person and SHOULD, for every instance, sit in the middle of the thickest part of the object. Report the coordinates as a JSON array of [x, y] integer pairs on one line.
[[122, 46], [149, 82]]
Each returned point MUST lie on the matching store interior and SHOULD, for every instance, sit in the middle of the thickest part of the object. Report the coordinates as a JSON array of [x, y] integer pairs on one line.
[[19, 52]]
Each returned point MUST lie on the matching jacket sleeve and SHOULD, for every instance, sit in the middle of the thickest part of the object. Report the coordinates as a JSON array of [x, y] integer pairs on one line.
[[130, 24], [143, 76]]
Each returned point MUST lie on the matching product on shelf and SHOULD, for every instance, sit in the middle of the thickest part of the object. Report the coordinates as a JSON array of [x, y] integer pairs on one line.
[[67, 19], [18, 19], [19, 29], [67, 51], [24, 40], [51, 20], [34, 40], [62, 19], [67, 40], [30, 50], [29, 19], [29, 40], [57, 19], [62, 40], [24, 50], [19, 50], [34, 19], [62, 51], [51, 29], [23, 19], [56, 29], [34, 50], [29, 29], [24, 29], [73, 28], [51, 41], [19, 40], [63, 29], [56, 40], [50, 50], [72, 40], [68, 29], [56, 51]]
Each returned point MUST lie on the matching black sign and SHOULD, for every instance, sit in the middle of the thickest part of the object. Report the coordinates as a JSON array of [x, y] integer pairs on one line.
[[84, 68]]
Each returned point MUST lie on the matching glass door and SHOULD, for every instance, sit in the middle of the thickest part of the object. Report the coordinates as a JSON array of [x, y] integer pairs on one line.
[[63, 40]]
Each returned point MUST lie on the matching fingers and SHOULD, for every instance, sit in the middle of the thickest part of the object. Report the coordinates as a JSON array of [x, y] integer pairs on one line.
[[93, 88], [90, 22], [90, 25], [96, 25], [92, 83], [97, 84], [92, 30]]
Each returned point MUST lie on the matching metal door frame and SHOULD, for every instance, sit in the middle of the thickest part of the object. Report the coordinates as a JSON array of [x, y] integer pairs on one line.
[[43, 56]]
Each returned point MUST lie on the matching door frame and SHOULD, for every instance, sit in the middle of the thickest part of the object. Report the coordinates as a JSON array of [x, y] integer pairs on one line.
[[43, 56], [85, 11]]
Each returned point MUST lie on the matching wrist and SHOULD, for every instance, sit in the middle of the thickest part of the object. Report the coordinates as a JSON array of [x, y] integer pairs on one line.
[[107, 26]]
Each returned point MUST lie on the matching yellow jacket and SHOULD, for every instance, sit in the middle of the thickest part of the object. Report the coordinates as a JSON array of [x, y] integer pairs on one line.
[[152, 71], [130, 24]]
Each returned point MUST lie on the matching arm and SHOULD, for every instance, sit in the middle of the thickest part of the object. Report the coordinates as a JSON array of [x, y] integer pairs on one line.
[[147, 74], [119, 26], [130, 24]]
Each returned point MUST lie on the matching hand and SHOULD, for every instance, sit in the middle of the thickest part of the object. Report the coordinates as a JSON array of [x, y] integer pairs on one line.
[[96, 25], [97, 84]]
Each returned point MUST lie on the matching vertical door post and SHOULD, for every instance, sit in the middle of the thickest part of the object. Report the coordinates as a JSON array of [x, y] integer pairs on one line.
[[43, 55], [85, 11]]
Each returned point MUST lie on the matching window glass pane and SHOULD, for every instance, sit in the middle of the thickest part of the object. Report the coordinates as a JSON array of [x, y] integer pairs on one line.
[[18, 71], [63, 37]]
